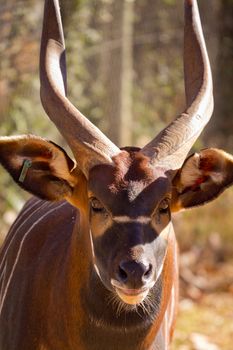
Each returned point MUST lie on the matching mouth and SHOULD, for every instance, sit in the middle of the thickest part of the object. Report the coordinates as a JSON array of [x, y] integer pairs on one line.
[[131, 296]]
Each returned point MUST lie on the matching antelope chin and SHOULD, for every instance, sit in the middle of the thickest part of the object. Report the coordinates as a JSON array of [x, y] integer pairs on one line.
[[132, 296]]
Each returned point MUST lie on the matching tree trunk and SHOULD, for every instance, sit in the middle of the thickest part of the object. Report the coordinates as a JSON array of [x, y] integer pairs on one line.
[[221, 126]]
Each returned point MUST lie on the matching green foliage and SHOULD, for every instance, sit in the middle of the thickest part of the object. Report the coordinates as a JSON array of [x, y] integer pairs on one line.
[[169, 2]]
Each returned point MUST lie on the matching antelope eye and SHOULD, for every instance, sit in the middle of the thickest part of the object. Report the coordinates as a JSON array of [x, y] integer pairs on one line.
[[96, 205], [164, 206]]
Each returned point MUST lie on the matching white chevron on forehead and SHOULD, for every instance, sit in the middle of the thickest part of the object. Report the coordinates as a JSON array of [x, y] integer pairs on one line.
[[125, 219], [135, 188]]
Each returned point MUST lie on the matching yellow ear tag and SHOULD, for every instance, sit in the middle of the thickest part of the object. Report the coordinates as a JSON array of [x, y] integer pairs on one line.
[[26, 165]]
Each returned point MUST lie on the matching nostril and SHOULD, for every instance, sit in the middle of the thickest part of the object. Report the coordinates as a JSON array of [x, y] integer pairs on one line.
[[148, 272], [134, 273], [122, 274]]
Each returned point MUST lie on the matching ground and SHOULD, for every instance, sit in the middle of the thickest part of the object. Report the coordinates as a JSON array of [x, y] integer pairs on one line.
[[206, 325]]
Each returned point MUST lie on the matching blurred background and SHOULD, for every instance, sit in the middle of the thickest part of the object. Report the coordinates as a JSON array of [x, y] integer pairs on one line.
[[125, 73]]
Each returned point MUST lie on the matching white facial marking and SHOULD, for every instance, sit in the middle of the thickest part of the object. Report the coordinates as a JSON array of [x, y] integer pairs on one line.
[[125, 219], [166, 231], [135, 188]]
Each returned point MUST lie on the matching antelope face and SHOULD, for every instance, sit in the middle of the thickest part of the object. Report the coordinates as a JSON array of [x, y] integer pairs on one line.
[[129, 191], [129, 224]]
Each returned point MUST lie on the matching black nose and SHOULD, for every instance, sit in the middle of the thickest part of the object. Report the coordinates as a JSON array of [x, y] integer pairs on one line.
[[134, 274]]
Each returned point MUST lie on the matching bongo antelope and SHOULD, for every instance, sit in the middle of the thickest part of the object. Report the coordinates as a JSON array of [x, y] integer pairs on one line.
[[92, 264]]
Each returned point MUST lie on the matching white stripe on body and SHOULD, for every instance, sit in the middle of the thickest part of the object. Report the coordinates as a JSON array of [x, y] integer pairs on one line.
[[2, 278], [172, 307], [18, 228], [20, 249], [20, 217]]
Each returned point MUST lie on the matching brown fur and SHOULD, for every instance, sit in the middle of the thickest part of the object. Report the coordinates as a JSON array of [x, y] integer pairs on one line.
[[67, 305]]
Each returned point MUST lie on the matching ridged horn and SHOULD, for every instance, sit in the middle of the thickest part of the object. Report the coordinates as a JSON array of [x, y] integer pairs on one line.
[[88, 144], [170, 148]]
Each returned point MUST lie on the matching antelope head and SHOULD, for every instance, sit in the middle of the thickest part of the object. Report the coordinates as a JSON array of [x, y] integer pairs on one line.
[[125, 196]]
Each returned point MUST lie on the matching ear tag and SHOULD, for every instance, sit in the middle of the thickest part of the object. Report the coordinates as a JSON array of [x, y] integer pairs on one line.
[[26, 165]]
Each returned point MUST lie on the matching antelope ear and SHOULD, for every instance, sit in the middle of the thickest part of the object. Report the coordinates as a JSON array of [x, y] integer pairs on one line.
[[203, 177], [39, 166]]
